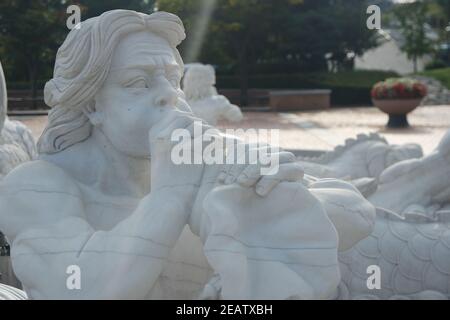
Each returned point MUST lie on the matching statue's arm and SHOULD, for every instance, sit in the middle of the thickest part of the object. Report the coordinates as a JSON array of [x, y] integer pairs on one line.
[[50, 235]]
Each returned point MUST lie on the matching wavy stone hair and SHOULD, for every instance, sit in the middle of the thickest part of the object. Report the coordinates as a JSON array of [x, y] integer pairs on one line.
[[82, 65]]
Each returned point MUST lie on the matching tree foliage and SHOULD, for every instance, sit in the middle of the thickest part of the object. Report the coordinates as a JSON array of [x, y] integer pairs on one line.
[[29, 33], [93, 8], [412, 18], [243, 37], [32, 30], [259, 36]]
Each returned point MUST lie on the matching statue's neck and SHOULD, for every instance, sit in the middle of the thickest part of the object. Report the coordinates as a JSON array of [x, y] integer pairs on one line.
[[95, 162]]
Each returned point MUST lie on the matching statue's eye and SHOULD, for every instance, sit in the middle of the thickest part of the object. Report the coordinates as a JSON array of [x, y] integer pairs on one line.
[[137, 83], [173, 76]]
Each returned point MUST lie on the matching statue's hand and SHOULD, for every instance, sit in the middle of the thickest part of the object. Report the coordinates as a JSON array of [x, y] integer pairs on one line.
[[167, 173], [285, 168]]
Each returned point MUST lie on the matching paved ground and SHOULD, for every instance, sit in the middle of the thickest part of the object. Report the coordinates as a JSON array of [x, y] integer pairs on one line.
[[325, 129], [322, 130]]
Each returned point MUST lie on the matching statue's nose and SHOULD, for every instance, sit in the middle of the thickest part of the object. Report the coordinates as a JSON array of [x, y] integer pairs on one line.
[[166, 95]]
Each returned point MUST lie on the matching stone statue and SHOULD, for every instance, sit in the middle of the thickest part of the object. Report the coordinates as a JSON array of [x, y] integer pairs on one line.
[[108, 214], [16, 146], [367, 156], [201, 94], [16, 140], [411, 240]]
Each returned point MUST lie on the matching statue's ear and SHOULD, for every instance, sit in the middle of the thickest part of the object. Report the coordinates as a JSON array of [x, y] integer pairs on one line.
[[94, 116]]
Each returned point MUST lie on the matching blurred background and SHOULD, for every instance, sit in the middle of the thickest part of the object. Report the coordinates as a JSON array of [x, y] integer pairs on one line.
[[253, 44], [320, 56]]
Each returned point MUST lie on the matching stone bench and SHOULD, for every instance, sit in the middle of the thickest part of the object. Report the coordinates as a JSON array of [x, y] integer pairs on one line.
[[23, 100], [290, 100]]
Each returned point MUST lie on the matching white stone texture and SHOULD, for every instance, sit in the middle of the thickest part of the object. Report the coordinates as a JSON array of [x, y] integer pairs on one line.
[[367, 156], [411, 240], [105, 195], [16, 141], [201, 94]]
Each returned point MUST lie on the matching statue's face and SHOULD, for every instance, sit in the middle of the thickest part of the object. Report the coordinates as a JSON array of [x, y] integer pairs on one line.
[[141, 88]]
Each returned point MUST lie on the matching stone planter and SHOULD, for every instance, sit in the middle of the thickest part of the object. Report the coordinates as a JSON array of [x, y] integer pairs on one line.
[[397, 109]]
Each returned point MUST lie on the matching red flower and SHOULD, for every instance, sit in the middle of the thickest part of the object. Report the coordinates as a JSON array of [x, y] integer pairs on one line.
[[399, 89], [402, 88], [420, 90]]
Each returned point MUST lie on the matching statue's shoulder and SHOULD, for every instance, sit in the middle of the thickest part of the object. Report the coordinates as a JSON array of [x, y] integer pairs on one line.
[[42, 176], [34, 194]]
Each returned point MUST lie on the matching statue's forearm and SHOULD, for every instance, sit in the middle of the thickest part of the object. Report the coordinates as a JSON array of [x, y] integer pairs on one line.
[[160, 216], [121, 263]]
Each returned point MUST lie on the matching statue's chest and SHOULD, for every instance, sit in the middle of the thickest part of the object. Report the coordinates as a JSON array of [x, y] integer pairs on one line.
[[106, 215], [103, 212]]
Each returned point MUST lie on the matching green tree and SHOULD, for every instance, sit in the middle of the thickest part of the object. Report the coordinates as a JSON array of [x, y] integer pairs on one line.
[[240, 33], [259, 36], [93, 8], [249, 31], [413, 18], [29, 33], [32, 30], [329, 30]]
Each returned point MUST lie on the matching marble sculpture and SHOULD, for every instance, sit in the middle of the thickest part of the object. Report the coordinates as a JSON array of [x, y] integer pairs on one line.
[[201, 94], [105, 198], [411, 239], [367, 156], [16, 140], [16, 146]]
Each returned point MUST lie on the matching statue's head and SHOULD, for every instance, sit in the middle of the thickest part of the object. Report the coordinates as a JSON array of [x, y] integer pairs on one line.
[[199, 81], [120, 72]]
